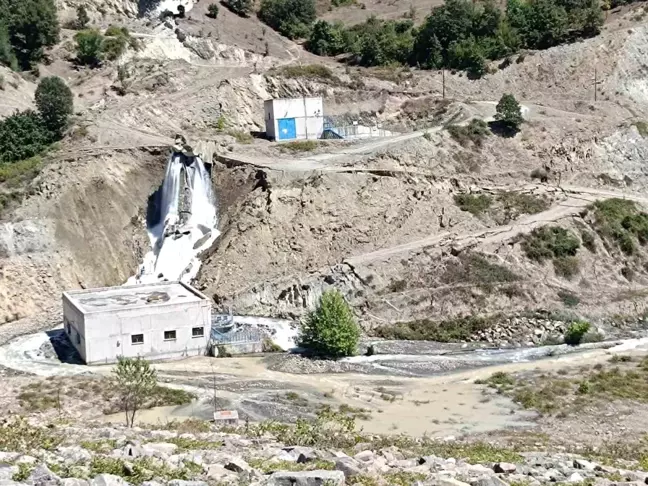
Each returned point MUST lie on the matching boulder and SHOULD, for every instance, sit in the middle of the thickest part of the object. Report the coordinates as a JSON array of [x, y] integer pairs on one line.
[[504, 467], [489, 481], [42, 476], [160, 449], [583, 464], [74, 454], [364, 456], [238, 465], [444, 480], [306, 478], [107, 480], [180, 482], [7, 472], [349, 466], [217, 472], [74, 482], [575, 478]]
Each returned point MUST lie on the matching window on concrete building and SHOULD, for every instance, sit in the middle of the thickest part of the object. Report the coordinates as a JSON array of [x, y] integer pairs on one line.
[[198, 332], [78, 338], [169, 335], [137, 339]]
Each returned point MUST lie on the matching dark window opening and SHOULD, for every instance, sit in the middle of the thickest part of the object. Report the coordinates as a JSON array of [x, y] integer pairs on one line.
[[198, 332], [169, 335], [137, 339]]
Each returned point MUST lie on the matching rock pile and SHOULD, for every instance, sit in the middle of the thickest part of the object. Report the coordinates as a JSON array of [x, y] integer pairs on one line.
[[523, 330], [119, 457]]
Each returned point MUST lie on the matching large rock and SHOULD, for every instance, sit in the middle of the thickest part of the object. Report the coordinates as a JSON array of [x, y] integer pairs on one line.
[[74, 454], [160, 449], [238, 465], [583, 464], [489, 481], [107, 480], [42, 476], [306, 478], [504, 467], [74, 482], [180, 482], [302, 454], [217, 472], [444, 480], [349, 466], [7, 472]]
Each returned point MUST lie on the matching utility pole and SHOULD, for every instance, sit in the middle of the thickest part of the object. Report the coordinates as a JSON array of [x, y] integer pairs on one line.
[[596, 83], [443, 82]]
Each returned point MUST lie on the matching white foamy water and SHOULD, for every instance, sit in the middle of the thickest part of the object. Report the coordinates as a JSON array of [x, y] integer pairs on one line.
[[175, 247]]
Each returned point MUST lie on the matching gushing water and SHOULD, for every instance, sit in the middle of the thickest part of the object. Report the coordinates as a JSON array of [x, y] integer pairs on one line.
[[186, 224]]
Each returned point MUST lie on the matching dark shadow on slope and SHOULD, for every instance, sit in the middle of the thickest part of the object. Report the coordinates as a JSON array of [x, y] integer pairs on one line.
[[59, 347]]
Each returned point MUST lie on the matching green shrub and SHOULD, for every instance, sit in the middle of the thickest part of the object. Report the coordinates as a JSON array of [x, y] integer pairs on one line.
[[239, 7], [116, 41], [300, 146], [509, 112], [241, 136], [31, 26], [315, 72], [55, 103], [291, 18], [22, 136], [89, 47], [82, 18], [212, 10], [474, 204], [576, 332], [567, 266], [568, 298], [476, 131], [549, 242], [446, 331], [619, 221], [331, 329]]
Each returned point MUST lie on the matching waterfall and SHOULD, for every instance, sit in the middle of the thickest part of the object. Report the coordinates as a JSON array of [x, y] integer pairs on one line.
[[185, 226]]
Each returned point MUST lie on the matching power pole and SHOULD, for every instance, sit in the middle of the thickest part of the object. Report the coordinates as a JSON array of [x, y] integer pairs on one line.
[[443, 82], [596, 83]]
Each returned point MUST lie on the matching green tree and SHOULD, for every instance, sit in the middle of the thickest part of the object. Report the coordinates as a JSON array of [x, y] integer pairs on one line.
[[135, 382], [331, 329], [22, 135], [89, 47], [468, 55], [545, 25], [326, 39], [55, 103], [509, 112], [116, 40], [31, 25], [292, 18], [82, 18], [7, 57], [212, 10], [240, 7]]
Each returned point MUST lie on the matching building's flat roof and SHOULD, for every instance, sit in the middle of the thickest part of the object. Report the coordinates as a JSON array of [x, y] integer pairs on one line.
[[133, 296]]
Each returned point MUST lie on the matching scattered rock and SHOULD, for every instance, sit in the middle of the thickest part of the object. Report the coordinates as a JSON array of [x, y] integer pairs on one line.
[[504, 467], [238, 465], [307, 478], [349, 466], [108, 480]]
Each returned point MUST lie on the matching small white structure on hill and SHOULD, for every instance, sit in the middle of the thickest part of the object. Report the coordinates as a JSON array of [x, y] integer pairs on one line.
[[294, 118], [154, 321]]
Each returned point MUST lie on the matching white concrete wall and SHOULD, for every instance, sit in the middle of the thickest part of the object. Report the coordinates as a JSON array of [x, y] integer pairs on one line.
[[108, 335], [270, 121], [307, 112], [74, 325]]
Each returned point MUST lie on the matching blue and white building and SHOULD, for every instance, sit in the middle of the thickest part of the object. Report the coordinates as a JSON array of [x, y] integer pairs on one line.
[[294, 119]]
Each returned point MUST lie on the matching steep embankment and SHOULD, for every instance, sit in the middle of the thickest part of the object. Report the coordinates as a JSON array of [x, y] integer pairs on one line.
[[82, 227]]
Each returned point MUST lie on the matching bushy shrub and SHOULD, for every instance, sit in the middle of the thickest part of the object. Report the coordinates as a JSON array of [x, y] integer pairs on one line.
[[576, 331], [22, 135], [89, 47], [239, 7], [292, 18], [55, 103], [550, 242], [212, 11], [82, 18], [476, 131], [509, 112], [331, 330], [31, 25]]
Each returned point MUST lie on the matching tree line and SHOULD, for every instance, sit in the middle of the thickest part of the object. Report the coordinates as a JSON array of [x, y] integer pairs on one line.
[[457, 35]]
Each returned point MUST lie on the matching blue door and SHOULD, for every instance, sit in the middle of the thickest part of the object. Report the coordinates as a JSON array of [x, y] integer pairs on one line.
[[287, 129]]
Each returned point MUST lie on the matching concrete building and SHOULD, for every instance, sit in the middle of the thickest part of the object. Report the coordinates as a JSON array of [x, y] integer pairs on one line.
[[154, 321], [294, 118]]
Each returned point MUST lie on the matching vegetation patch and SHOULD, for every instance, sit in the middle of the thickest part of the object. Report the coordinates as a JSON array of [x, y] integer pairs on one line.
[[566, 392], [269, 466], [104, 446], [642, 128], [475, 132], [142, 469], [476, 270], [19, 435], [314, 72], [188, 444], [621, 224], [241, 136], [556, 244], [568, 298], [447, 331], [576, 332], [299, 146], [475, 204]]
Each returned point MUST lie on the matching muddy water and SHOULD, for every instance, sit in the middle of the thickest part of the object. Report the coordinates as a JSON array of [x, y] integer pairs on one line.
[[439, 406]]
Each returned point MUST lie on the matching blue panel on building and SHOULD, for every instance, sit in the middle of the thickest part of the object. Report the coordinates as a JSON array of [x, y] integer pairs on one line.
[[287, 129]]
